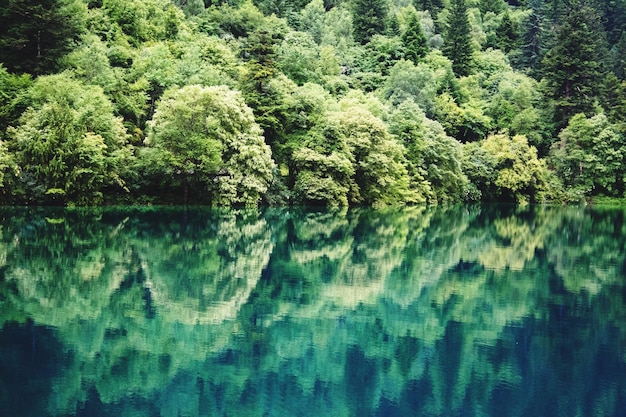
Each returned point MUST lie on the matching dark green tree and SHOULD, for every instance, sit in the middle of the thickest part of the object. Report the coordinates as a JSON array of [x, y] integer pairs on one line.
[[34, 34], [369, 17], [413, 40], [493, 6], [457, 43], [507, 34], [574, 67], [533, 38]]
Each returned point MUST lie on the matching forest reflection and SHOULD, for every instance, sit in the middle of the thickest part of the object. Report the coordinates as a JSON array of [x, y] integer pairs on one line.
[[472, 310]]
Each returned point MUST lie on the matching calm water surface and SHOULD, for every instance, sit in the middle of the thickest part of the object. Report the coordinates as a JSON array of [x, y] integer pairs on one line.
[[458, 311]]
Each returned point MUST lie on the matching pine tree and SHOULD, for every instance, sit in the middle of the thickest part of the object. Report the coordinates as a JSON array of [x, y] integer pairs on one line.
[[574, 67], [507, 34], [35, 34], [369, 17], [533, 42], [457, 43], [414, 41]]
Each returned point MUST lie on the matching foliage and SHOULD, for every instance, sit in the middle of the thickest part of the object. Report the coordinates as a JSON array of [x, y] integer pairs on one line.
[[206, 138], [369, 18], [507, 168], [589, 157], [457, 44], [574, 66], [470, 67], [414, 40], [35, 34], [69, 145]]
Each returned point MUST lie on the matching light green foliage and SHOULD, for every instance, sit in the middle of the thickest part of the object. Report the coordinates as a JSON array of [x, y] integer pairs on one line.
[[141, 21], [433, 157], [312, 20], [507, 168], [7, 164], [406, 81], [465, 122], [240, 21], [68, 144], [298, 57], [422, 82], [11, 87], [380, 174], [589, 157], [350, 158], [381, 53], [516, 105], [207, 137]]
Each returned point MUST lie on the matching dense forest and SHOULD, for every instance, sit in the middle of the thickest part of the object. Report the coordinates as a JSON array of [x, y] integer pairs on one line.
[[326, 102]]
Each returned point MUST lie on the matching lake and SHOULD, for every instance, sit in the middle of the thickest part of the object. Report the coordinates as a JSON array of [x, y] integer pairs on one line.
[[419, 311]]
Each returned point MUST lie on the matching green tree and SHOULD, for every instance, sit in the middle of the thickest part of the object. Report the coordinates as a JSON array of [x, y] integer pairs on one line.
[[574, 67], [589, 157], [68, 145], [413, 40], [35, 34], [369, 17], [457, 40], [505, 168], [11, 87], [507, 34], [533, 39], [204, 140], [433, 157]]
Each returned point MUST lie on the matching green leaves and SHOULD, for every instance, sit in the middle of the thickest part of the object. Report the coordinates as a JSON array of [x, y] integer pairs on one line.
[[590, 157], [206, 137], [65, 144]]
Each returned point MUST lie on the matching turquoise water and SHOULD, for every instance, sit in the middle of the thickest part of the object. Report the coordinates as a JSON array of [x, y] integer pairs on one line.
[[444, 311]]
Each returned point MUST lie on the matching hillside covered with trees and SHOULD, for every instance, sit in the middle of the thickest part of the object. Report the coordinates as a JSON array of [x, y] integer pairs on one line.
[[326, 102]]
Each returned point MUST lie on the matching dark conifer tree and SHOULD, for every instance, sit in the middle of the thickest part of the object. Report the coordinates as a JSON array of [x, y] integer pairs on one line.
[[507, 34], [574, 68], [414, 41], [369, 18], [457, 43], [533, 38], [34, 34]]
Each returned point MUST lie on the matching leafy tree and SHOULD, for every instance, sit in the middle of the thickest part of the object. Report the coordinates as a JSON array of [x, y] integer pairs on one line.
[[414, 41], [68, 145], [433, 157], [35, 34], [457, 41], [369, 17], [11, 87], [379, 170], [516, 105], [298, 57], [465, 122], [574, 67], [141, 21], [507, 168], [206, 138], [589, 157], [380, 54]]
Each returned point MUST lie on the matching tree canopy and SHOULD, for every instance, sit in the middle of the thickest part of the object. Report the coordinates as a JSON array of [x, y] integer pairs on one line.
[[320, 102]]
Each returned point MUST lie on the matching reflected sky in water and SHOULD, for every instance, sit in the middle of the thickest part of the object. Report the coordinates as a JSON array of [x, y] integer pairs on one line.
[[442, 311]]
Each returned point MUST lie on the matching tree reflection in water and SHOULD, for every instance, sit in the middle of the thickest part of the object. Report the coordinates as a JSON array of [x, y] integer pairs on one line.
[[482, 310]]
